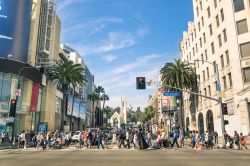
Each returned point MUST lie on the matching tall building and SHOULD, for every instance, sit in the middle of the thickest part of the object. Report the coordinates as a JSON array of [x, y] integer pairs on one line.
[[219, 36]]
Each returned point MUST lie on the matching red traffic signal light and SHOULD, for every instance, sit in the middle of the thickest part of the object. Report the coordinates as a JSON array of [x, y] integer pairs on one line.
[[12, 108], [224, 109], [140, 83]]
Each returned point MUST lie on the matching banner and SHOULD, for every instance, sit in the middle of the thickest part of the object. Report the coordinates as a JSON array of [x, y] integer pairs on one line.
[[34, 97]]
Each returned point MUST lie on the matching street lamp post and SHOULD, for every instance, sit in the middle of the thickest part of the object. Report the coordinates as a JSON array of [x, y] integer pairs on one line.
[[219, 89]]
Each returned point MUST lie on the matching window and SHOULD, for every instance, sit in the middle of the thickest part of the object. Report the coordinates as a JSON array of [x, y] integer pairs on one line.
[[224, 82], [210, 29], [196, 48], [202, 59], [217, 21], [200, 42], [242, 26], [199, 78], [202, 21], [205, 91], [204, 37], [222, 61], [246, 74], [193, 52], [209, 90], [214, 66], [192, 37], [199, 26], [220, 42], [215, 3], [201, 5], [194, 33], [206, 55], [227, 57], [230, 79], [207, 72], [238, 5], [245, 50], [222, 15], [216, 86], [212, 47], [197, 11], [225, 35], [198, 64], [208, 12], [203, 72]]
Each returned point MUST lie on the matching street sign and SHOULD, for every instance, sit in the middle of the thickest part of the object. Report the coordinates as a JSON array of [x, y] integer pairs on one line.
[[171, 93], [17, 92]]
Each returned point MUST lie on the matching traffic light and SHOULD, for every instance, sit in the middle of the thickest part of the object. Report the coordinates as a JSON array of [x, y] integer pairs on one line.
[[140, 83], [12, 108], [226, 122], [224, 109]]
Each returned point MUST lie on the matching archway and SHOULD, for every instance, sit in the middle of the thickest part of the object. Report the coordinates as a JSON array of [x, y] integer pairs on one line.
[[187, 124], [200, 123], [210, 120]]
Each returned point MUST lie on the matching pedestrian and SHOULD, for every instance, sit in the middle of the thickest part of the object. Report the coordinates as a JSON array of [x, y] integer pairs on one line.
[[99, 138], [105, 140], [175, 138], [89, 139], [237, 139], [122, 138], [134, 139], [216, 138], [128, 139], [114, 138], [149, 136], [79, 140], [243, 142], [22, 139], [3, 137], [181, 137], [141, 140]]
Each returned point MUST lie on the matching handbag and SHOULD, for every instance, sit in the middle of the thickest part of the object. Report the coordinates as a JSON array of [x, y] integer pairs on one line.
[[243, 142]]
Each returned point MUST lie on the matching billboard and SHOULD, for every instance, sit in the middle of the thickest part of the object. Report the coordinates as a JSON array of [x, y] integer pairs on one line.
[[168, 103], [14, 28]]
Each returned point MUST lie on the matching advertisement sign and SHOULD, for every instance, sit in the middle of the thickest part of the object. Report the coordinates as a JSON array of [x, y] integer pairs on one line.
[[14, 28], [42, 127], [69, 105], [2, 125], [34, 97], [168, 103]]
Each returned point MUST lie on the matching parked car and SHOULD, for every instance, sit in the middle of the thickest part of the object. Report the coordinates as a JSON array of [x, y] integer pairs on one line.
[[74, 137]]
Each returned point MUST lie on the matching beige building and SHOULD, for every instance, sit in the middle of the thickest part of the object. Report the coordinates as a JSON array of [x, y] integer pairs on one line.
[[219, 35]]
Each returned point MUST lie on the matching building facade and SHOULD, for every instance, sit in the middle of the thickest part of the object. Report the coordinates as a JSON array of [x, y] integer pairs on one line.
[[219, 37]]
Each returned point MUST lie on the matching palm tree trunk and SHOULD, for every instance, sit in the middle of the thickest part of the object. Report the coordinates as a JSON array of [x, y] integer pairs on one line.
[[73, 101], [63, 106], [181, 110]]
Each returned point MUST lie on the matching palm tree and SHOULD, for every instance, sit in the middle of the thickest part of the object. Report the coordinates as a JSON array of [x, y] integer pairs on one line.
[[104, 98], [65, 73], [93, 98], [180, 75], [98, 91]]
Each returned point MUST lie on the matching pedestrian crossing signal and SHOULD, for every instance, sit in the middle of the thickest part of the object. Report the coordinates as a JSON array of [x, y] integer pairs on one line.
[[140, 83]]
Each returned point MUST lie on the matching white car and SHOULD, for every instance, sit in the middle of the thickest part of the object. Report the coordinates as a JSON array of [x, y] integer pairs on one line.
[[75, 136]]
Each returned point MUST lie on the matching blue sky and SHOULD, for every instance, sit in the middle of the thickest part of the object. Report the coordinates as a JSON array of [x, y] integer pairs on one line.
[[122, 39]]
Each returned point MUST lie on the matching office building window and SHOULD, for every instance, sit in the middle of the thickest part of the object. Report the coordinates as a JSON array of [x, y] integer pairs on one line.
[[193, 52], [238, 5], [227, 57], [219, 39], [242, 26], [199, 26], [203, 72], [209, 90], [225, 35], [214, 64], [202, 21], [217, 21], [201, 5], [222, 15], [207, 72], [208, 12], [198, 64], [210, 29], [204, 37], [206, 55], [216, 86], [224, 82], [212, 47], [230, 79], [205, 91], [202, 59], [246, 74], [222, 61], [200, 42], [215, 3], [198, 78], [196, 48], [245, 50], [197, 11]]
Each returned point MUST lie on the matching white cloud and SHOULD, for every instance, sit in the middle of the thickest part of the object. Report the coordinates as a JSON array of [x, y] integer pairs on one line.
[[65, 3], [110, 58], [115, 41], [142, 31]]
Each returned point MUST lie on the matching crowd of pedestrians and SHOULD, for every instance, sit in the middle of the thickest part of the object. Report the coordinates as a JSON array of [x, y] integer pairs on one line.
[[136, 139]]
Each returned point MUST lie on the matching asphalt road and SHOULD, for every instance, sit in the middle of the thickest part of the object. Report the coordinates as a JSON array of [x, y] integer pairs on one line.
[[123, 157]]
